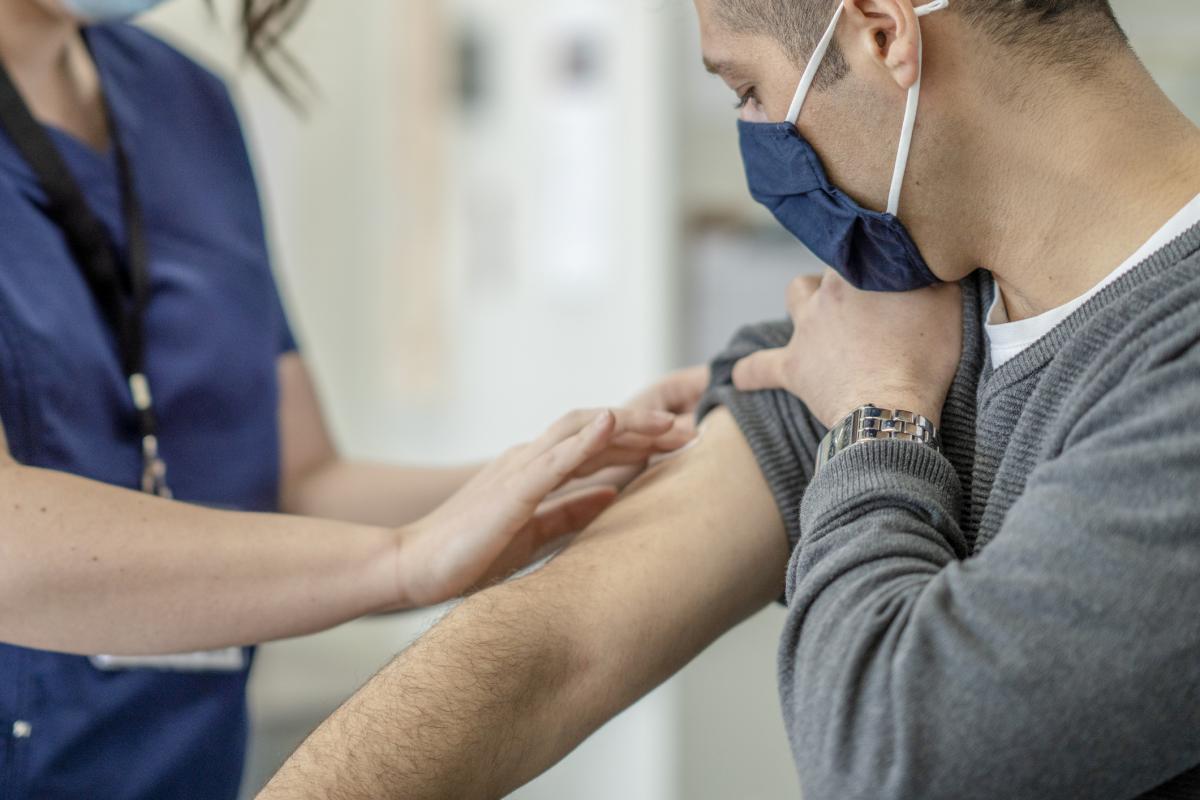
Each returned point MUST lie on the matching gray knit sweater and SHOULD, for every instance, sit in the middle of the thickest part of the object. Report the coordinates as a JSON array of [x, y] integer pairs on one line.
[[1019, 617]]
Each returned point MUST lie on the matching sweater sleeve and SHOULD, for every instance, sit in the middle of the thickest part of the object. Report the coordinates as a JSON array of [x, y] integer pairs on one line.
[[781, 432], [1059, 662]]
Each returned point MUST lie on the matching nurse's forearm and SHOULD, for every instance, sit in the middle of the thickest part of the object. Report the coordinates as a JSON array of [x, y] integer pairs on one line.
[[316, 481], [89, 568], [372, 494]]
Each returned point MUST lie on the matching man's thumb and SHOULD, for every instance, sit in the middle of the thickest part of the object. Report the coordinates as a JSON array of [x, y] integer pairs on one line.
[[759, 371]]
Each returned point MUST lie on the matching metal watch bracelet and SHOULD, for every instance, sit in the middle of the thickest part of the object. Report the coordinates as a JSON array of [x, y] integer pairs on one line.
[[871, 423]]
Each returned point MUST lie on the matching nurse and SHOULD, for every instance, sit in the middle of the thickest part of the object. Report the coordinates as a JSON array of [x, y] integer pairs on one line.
[[145, 356]]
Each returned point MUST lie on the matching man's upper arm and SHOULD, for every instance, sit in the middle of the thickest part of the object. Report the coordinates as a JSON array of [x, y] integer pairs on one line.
[[702, 540], [782, 433], [694, 547]]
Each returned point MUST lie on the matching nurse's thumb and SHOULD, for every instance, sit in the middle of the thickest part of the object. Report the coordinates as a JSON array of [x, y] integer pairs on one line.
[[760, 371]]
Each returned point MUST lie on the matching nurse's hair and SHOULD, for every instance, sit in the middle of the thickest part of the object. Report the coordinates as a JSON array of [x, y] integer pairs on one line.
[[1073, 33], [265, 24]]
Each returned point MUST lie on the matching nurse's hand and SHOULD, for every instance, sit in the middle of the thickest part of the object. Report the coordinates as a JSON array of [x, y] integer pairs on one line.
[[678, 393], [500, 520]]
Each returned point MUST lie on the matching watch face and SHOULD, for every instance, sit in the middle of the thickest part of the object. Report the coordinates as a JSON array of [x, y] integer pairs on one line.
[[876, 424], [842, 436]]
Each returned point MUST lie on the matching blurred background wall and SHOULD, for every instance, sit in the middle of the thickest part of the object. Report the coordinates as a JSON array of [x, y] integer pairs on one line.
[[493, 211]]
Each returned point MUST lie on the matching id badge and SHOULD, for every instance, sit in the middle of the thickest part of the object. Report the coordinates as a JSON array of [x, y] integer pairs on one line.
[[231, 659]]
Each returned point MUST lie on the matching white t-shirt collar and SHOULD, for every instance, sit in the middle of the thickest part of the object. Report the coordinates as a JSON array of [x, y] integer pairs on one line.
[[1008, 340]]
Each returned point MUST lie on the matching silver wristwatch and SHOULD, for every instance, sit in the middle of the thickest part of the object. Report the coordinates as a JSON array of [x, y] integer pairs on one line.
[[871, 423]]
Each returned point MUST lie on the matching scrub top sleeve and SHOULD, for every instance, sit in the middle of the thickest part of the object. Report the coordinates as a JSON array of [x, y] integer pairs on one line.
[[285, 337]]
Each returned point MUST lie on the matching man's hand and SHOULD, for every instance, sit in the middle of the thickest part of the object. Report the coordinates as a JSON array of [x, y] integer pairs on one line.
[[851, 348], [499, 521]]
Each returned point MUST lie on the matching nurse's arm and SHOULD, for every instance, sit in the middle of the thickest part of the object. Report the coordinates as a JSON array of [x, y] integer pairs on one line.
[[519, 675], [90, 568], [316, 481], [86, 567]]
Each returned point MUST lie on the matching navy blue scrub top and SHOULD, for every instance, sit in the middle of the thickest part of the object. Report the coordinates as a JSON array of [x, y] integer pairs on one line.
[[214, 330]]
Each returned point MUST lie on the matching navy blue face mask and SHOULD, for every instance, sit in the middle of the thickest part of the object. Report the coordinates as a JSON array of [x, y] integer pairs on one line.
[[871, 250]]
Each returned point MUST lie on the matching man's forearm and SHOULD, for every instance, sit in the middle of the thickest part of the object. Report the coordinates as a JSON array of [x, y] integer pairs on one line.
[[465, 712], [517, 676]]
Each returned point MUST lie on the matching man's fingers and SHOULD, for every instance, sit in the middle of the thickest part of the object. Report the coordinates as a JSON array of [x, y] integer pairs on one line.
[[760, 371], [800, 290]]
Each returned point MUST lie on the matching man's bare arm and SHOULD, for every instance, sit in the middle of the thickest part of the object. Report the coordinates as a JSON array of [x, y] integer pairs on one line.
[[517, 676]]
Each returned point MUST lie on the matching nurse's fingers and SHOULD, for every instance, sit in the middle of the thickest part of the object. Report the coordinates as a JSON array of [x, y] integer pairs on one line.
[[682, 431], [554, 521], [642, 422], [568, 515], [546, 471], [615, 457]]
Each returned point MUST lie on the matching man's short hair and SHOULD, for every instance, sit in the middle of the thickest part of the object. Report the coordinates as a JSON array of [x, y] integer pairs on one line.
[[1072, 33]]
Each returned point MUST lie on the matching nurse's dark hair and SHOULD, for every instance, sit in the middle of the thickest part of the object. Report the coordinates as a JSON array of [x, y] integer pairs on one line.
[[264, 25], [1071, 33]]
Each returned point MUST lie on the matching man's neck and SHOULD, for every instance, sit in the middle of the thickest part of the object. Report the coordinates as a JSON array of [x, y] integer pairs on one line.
[[1073, 186], [48, 60]]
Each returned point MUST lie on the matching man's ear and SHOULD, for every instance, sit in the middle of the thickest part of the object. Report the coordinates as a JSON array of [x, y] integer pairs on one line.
[[887, 32]]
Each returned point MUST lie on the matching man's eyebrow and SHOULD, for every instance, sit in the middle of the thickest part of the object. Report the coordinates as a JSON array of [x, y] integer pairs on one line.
[[717, 67]]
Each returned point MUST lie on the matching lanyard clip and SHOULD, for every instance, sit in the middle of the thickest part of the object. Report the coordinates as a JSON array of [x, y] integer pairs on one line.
[[154, 469]]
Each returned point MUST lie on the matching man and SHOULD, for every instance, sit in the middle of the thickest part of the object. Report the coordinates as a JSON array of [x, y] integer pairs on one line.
[[1010, 614]]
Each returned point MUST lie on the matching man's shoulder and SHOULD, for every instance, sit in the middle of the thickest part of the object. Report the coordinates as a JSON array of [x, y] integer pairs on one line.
[[1151, 316]]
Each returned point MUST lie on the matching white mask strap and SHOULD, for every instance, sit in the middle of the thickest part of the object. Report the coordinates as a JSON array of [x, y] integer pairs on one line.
[[910, 112], [814, 66]]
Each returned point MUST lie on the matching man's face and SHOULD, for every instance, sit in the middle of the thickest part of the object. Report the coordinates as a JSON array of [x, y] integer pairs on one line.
[[854, 124]]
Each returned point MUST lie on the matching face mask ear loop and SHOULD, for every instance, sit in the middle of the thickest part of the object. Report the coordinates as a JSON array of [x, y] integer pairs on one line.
[[910, 112], [814, 66]]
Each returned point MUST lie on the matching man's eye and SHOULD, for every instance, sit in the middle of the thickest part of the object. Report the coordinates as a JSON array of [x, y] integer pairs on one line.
[[745, 100]]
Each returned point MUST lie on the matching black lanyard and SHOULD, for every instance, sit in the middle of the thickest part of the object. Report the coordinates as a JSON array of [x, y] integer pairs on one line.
[[122, 295]]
